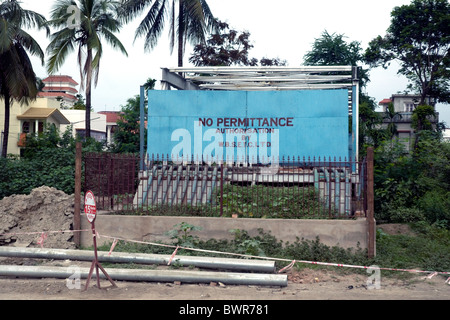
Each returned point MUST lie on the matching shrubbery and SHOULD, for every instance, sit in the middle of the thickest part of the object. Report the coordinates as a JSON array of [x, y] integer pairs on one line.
[[413, 187], [49, 159]]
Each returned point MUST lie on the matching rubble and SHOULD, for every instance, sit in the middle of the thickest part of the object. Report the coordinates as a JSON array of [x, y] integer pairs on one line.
[[37, 219]]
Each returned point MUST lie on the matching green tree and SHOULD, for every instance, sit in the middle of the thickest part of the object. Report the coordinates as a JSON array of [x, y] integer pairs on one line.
[[228, 47], [419, 38], [369, 121], [420, 122], [333, 50], [126, 136], [97, 21], [17, 78], [194, 21]]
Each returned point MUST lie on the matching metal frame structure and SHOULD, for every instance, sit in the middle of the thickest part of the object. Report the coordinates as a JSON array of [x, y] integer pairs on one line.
[[270, 78]]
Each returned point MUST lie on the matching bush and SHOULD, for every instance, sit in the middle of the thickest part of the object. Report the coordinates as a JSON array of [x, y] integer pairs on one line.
[[413, 187], [436, 207], [49, 159], [406, 215]]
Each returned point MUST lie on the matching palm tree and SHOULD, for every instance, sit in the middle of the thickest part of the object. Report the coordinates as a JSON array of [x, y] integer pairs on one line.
[[97, 20], [391, 115], [193, 22], [17, 78]]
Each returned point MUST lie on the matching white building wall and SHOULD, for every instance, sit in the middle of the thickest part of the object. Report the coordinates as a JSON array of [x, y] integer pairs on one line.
[[77, 120]]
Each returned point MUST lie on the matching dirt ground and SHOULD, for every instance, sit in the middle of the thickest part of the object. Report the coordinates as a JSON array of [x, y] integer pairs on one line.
[[307, 284]]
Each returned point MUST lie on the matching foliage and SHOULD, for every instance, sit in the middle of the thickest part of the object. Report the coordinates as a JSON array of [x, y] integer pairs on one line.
[[333, 50], [194, 20], [273, 202], [182, 233], [370, 133], [253, 202], [419, 38], [49, 159], [420, 118], [127, 137], [228, 47], [427, 250], [411, 187], [392, 116], [17, 78]]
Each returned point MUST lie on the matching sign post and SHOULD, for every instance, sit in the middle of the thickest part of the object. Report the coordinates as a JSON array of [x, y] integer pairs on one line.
[[90, 209]]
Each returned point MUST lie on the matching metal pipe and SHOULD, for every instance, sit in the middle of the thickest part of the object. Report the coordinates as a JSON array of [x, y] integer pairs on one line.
[[140, 258], [150, 275]]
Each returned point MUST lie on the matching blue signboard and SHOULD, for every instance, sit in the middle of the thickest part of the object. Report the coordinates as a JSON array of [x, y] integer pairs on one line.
[[253, 125]]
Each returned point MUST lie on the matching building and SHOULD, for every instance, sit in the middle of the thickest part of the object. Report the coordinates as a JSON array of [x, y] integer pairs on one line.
[[446, 135], [404, 105], [77, 121], [61, 88], [49, 108], [32, 118], [111, 123]]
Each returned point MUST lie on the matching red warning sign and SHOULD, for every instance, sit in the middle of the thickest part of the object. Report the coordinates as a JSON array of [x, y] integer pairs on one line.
[[90, 208]]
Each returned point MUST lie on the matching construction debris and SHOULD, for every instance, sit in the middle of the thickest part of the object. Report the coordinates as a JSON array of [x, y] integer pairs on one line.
[[24, 219]]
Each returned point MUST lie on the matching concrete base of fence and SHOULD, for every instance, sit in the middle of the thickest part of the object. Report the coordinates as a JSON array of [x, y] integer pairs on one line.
[[342, 233]]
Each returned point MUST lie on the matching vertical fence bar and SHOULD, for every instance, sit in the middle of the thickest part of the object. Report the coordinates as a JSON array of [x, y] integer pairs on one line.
[[309, 187], [370, 204], [221, 189], [77, 205]]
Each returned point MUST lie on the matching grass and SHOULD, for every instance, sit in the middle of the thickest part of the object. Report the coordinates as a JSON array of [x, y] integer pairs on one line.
[[428, 250]]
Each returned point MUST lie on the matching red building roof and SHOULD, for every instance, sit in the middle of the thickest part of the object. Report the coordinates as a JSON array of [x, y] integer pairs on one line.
[[385, 101], [60, 78], [111, 116], [56, 94]]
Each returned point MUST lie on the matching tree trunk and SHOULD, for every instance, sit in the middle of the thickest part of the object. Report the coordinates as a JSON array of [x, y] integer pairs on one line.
[[180, 32], [88, 96], [6, 126]]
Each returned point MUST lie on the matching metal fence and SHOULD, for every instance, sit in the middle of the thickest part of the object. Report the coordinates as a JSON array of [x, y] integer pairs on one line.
[[295, 188]]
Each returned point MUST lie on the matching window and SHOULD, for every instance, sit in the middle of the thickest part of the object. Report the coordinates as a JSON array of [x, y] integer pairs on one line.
[[26, 127], [409, 107]]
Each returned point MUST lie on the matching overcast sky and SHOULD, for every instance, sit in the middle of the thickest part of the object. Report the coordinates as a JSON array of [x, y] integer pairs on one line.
[[285, 29]]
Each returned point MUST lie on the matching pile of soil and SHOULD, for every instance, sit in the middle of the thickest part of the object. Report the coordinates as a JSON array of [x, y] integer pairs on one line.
[[37, 219]]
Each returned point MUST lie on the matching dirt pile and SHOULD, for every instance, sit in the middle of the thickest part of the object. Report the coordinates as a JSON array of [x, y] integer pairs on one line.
[[28, 220]]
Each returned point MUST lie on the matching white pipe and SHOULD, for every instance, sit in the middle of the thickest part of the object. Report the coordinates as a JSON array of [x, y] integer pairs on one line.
[[229, 278], [140, 258]]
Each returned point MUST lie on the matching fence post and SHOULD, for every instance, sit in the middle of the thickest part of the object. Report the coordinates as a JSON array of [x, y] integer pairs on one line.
[[221, 189], [370, 204], [77, 205]]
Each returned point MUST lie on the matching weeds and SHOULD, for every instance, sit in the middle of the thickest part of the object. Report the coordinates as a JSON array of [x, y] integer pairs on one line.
[[428, 250]]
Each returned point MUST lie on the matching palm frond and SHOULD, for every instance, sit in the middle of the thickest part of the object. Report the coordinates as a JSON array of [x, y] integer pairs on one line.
[[113, 41], [29, 43], [130, 9], [61, 45], [153, 24]]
